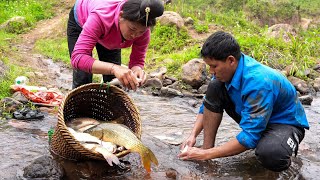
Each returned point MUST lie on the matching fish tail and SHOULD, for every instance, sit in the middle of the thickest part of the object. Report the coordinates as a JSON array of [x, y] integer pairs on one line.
[[147, 157]]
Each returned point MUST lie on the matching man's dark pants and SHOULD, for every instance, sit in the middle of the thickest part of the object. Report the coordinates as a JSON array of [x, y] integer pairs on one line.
[[277, 142], [106, 55]]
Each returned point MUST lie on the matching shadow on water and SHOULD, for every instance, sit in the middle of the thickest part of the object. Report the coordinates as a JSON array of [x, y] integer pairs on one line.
[[165, 123]]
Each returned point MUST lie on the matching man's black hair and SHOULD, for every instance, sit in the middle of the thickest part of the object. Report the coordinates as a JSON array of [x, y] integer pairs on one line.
[[219, 46]]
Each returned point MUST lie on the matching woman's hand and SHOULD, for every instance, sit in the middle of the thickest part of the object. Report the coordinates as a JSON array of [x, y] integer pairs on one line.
[[126, 76], [140, 74]]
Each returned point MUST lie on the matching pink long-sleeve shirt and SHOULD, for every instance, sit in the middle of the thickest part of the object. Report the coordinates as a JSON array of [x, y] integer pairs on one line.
[[99, 20]]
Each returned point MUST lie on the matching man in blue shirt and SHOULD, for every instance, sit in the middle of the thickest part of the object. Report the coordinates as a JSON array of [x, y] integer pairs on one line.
[[260, 99]]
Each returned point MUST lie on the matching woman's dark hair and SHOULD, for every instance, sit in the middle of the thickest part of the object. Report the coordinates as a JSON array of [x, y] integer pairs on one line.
[[135, 10], [220, 45]]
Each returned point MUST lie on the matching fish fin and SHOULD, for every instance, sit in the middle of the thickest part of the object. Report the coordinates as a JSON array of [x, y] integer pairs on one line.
[[147, 157], [110, 158]]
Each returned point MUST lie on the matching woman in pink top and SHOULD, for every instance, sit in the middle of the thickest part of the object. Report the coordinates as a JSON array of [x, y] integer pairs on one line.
[[110, 25]]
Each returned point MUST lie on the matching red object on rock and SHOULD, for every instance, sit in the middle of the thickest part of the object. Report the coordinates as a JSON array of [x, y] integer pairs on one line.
[[37, 95]]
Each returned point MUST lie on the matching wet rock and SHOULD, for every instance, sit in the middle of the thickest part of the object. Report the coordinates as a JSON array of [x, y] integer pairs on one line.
[[159, 73], [44, 167], [306, 99], [20, 97], [172, 79], [203, 89], [194, 103], [167, 82], [154, 83], [171, 173], [312, 74], [193, 95], [165, 91], [299, 84], [316, 84], [175, 85]]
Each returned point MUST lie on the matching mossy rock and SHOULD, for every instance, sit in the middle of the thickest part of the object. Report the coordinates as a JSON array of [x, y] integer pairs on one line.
[[17, 25]]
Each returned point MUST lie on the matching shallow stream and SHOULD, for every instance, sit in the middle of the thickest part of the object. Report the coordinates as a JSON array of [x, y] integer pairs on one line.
[[165, 123]]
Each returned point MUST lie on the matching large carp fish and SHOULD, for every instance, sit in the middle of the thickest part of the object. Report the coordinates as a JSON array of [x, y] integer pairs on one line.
[[121, 135], [104, 137]]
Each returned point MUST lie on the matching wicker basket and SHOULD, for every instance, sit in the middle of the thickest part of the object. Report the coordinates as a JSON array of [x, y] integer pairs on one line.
[[101, 102]]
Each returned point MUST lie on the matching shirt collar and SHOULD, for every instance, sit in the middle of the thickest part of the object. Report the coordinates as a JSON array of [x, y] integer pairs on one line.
[[236, 79]]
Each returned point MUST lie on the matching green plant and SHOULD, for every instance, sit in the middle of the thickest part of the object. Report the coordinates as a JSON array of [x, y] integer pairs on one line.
[[166, 39], [201, 28]]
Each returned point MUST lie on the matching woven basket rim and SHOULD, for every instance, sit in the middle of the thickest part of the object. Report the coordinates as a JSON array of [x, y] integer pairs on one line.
[[75, 144]]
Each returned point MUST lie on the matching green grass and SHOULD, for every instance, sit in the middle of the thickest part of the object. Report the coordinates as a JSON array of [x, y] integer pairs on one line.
[[31, 9], [9, 76], [167, 39], [56, 49]]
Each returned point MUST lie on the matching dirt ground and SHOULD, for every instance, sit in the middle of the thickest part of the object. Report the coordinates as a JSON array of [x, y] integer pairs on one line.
[[24, 53]]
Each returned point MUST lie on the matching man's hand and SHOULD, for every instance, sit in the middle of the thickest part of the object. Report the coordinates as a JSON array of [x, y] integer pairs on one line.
[[193, 153], [190, 142]]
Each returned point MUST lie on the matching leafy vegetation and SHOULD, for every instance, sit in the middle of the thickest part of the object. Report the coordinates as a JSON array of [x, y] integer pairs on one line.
[[247, 20], [32, 10]]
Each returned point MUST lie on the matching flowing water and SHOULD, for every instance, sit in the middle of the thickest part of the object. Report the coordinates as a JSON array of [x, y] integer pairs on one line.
[[165, 123]]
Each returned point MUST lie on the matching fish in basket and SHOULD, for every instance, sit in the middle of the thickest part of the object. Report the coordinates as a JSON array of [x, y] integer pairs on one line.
[[86, 129]]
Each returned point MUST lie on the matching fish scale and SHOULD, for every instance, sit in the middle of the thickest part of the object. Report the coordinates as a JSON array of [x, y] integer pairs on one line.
[[121, 135]]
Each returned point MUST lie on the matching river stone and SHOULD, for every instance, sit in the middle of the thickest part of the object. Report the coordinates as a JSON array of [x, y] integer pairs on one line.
[[316, 84], [16, 24], [154, 83], [299, 84], [203, 89], [9, 104], [19, 96], [170, 18], [44, 167], [306, 100], [165, 91], [194, 73]]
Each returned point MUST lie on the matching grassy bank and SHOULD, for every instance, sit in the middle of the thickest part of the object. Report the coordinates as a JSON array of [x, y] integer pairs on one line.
[[33, 11], [172, 48]]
